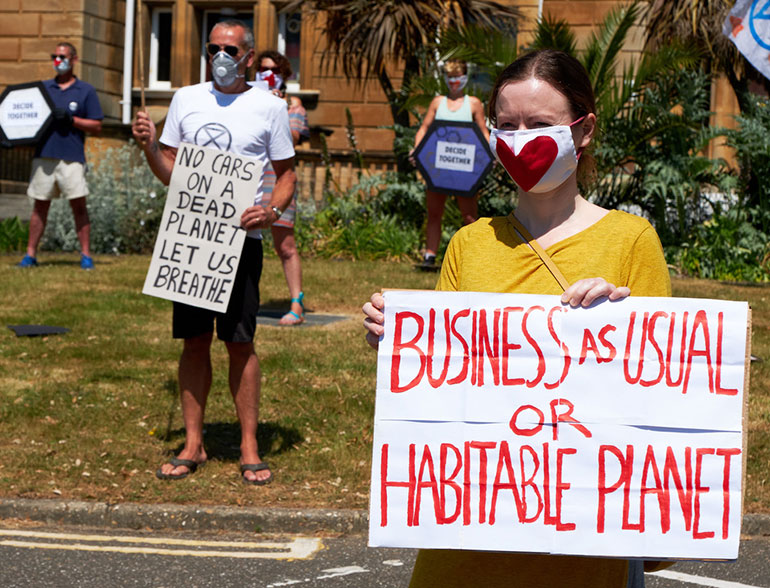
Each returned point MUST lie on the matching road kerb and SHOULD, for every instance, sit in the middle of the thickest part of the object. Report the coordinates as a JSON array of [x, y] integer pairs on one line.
[[226, 518]]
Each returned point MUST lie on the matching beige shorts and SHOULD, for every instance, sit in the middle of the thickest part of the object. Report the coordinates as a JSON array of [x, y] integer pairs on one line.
[[52, 178]]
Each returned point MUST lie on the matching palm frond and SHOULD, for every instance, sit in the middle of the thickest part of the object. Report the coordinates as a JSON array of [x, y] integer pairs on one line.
[[490, 51], [601, 54], [554, 33], [638, 74], [364, 36]]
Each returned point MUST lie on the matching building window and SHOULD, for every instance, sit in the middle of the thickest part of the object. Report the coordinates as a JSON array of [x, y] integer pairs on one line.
[[210, 19], [289, 36], [160, 49]]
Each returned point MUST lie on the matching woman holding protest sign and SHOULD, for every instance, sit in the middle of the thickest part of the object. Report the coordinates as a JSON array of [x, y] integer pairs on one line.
[[455, 106], [555, 242]]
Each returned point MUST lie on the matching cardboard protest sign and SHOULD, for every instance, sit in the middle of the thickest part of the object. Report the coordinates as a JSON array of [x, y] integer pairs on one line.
[[453, 157], [512, 422], [25, 113], [748, 27], [200, 239]]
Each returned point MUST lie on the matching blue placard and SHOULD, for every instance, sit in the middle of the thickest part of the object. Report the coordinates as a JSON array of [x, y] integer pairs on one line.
[[453, 157]]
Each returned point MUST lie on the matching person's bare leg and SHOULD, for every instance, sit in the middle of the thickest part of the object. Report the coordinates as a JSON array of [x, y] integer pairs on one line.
[[82, 224], [194, 386], [434, 202], [245, 387], [469, 208], [37, 222], [286, 248]]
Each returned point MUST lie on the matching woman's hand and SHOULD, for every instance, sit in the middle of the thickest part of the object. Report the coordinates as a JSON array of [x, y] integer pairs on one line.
[[375, 319], [587, 291]]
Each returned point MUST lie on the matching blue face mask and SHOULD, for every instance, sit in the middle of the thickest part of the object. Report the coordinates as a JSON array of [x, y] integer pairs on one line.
[[224, 69]]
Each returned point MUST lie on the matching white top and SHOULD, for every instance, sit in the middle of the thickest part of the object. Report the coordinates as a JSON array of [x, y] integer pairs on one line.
[[253, 123]]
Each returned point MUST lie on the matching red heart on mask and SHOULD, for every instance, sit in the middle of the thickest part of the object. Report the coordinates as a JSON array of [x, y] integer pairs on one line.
[[270, 80], [529, 166]]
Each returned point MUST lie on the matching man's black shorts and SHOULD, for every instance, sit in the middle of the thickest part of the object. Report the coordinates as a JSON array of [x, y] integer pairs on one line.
[[239, 323]]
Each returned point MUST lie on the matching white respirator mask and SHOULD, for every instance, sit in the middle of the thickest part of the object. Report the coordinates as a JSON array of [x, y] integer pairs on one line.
[[224, 69]]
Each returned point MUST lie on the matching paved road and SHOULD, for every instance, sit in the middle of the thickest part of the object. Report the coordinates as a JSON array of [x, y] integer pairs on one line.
[[40, 557]]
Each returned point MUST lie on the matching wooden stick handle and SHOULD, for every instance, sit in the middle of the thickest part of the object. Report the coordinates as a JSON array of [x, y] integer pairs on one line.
[[140, 41]]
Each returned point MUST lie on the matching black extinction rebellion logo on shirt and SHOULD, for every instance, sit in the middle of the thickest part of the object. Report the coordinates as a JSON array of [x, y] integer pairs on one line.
[[214, 135]]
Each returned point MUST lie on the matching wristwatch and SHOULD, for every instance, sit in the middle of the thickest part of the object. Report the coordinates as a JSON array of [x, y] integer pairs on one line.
[[277, 211]]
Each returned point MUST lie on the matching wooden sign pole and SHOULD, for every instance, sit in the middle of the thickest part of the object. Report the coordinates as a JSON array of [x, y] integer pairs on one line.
[[140, 42]]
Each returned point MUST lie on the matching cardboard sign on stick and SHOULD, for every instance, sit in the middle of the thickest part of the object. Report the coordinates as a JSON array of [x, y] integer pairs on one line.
[[511, 422], [200, 240]]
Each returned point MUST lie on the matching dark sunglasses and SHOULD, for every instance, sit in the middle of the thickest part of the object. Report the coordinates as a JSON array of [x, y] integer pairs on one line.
[[276, 70], [62, 57], [213, 49]]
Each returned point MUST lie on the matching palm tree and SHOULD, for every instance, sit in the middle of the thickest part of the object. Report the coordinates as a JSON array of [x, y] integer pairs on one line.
[[653, 121], [613, 87], [698, 23], [364, 37], [487, 52]]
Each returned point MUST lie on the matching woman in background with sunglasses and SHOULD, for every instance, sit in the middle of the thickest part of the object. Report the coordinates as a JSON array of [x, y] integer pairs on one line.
[[273, 69]]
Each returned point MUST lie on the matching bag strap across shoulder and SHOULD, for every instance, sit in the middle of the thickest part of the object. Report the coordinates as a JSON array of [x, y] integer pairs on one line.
[[544, 257]]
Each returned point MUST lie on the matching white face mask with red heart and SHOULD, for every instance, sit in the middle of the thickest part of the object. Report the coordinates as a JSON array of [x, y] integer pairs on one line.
[[456, 83], [539, 160], [273, 80]]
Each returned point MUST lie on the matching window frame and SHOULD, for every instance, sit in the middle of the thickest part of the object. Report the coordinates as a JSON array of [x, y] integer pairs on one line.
[[153, 82], [281, 48]]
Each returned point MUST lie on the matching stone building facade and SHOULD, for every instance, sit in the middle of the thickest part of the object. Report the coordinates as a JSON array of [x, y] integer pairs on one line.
[[173, 33]]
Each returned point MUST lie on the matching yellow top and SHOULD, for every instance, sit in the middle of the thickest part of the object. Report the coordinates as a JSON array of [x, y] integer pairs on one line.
[[488, 256]]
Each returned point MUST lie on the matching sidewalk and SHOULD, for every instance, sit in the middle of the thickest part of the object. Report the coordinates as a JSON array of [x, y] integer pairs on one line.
[[209, 518], [12, 205]]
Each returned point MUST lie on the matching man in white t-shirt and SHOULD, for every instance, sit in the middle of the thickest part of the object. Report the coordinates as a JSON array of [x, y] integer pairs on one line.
[[230, 115]]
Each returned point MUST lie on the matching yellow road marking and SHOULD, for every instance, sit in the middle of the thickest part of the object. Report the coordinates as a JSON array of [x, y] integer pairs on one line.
[[298, 548]]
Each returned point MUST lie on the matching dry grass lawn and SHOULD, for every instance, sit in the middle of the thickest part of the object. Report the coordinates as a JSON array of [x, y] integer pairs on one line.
[[91, 414]]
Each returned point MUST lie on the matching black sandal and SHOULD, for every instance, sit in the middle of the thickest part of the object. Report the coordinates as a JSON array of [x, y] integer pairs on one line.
[[176, 462], [256, 467]]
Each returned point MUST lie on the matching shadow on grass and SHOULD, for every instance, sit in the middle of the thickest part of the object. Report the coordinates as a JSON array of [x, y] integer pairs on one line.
[[223, 440]]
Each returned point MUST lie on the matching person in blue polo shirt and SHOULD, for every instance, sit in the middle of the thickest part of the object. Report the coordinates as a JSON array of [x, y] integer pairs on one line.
[[58, 168]]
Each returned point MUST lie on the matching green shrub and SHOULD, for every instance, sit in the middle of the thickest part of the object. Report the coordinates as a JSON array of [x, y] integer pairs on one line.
[[13, 235], [729, 246], [733, 244], [125, 206], [498, 194], [650, 155], [751, 141], [381, 217]]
